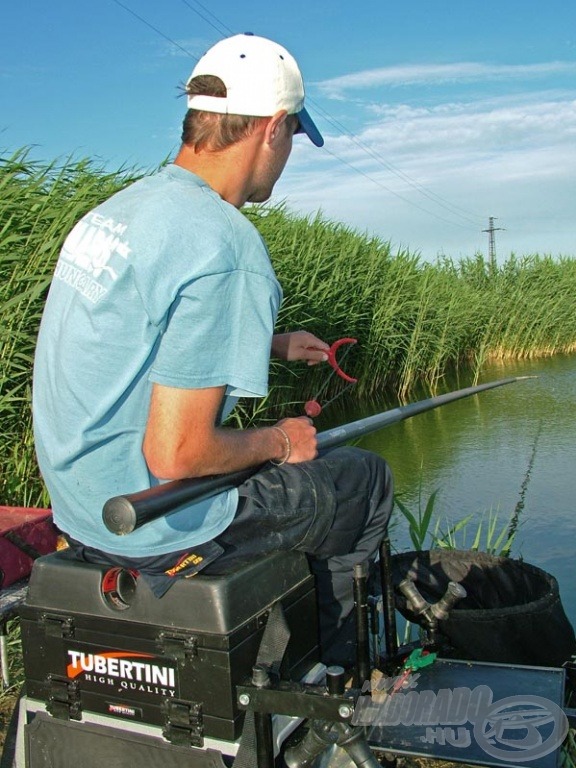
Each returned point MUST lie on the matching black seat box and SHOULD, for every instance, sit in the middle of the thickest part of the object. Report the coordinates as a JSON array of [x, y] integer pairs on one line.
[[173, 661]]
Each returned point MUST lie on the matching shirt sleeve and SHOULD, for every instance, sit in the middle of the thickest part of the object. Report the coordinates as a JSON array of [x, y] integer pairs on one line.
[[219, 333]]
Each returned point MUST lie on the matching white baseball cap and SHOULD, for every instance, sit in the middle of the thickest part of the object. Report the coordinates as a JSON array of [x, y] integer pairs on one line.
[[261, 78]]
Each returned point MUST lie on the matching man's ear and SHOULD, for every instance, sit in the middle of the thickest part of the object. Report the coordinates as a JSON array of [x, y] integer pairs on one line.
[[276, 126]]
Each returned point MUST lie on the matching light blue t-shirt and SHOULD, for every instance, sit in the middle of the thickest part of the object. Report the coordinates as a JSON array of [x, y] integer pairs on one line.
[[167, 283]]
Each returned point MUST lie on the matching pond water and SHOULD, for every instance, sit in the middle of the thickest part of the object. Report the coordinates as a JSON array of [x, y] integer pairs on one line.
[[506, 450]]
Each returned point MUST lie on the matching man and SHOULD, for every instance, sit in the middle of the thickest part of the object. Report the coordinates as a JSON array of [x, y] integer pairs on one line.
[[160, 315]]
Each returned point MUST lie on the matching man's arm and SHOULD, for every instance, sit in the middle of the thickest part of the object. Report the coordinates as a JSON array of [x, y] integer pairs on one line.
[[182, 439]]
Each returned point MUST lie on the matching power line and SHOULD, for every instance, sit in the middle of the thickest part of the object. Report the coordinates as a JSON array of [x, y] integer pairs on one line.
[[457, 210], [155, 29], [216, 19], [392, 192]]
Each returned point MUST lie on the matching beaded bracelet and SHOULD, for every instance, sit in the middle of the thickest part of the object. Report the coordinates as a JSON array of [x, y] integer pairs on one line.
[[288, 448]]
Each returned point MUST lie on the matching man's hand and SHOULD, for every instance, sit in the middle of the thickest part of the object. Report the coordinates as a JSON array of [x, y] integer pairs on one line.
[[301, 434], [300, 345]]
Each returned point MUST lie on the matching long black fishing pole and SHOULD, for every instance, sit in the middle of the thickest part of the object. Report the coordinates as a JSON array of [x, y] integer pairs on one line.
[[123, 514]]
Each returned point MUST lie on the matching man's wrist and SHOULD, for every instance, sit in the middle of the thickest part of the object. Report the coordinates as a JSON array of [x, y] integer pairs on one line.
[[279, 346], [287, 448]]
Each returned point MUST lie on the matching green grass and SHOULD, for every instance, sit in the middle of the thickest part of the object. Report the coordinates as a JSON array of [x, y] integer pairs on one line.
[[428, 528]]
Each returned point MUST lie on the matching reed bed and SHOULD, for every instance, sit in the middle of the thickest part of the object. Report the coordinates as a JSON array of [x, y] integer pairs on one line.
[[39, 204], [415, 322]]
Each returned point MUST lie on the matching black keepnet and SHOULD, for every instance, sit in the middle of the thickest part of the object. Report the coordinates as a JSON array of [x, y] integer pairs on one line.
[[512, 612]]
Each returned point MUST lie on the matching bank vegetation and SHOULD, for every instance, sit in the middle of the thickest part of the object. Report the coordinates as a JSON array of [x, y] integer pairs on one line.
[[416, 322]]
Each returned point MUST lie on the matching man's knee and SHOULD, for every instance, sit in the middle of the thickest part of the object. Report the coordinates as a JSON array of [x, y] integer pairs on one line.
[[363, 500], [370, 469]]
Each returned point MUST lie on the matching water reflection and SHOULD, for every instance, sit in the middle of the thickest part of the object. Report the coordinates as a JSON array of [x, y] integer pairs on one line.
[[507, 448]]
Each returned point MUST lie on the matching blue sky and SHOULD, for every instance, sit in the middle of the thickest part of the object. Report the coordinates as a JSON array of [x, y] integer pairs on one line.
[[437, 113]]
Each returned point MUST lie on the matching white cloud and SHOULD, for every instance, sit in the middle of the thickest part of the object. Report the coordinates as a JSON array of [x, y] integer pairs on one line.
[[510, 157], [190, 48], [425, 170], [480, 127], [419, 74]]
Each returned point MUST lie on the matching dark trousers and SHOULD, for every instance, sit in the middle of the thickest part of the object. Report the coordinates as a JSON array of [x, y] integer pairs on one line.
[[335, 509]]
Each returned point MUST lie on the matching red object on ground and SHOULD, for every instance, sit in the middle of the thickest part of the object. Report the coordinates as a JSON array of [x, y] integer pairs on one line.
[[312, 408], [25, 534]]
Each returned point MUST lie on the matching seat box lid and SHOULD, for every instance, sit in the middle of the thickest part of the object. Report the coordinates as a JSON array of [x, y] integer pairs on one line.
[[212, 604]]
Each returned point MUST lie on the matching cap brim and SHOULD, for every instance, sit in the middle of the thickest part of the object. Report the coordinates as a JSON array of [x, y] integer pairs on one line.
[[308, 127]]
